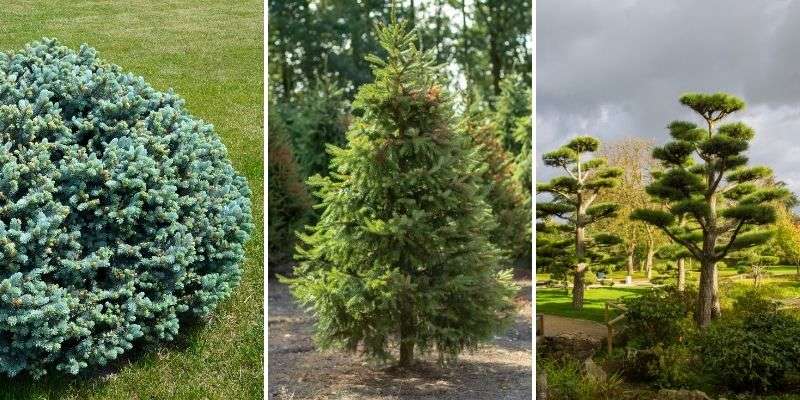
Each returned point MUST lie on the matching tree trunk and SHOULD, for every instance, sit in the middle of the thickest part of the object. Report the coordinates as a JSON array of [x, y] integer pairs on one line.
[[630, 263], [681, 274], [407, 335], [580, 269], [648, 267], [706, 296], [578, 287], [465, 38]]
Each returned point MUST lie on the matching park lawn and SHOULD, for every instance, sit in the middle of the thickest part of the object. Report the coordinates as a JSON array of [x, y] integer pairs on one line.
[[210, 53], [542, 277], [554, 301]]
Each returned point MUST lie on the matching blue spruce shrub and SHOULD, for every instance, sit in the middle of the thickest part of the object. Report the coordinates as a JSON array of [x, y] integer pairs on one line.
[[120, 214]]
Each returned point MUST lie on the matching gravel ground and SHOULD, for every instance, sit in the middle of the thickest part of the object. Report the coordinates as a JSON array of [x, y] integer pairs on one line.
[[499, 370], [555, 325]]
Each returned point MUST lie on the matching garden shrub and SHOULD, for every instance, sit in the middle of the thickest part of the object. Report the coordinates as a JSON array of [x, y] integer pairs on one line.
[[662, 315], [590, 278], [754, 348], [120, 214], [566, 381], [673, 366]]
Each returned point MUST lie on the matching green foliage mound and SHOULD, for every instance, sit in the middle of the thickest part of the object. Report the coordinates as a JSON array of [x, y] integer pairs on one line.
[[120, 214], [659, 316], [754, 349]]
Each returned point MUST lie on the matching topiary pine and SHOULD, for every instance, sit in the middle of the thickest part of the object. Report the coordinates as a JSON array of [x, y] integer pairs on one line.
[[572, 201], [725, 202], [120, 214], [401, 249]]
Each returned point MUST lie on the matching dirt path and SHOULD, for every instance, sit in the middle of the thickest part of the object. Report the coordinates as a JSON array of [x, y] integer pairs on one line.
[[500, 370], [555, 325]]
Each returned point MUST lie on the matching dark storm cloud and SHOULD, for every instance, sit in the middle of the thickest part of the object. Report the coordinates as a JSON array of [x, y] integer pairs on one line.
[[616, 68]]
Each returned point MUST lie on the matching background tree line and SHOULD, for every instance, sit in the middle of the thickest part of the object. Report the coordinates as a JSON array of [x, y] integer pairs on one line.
[[317, 62]]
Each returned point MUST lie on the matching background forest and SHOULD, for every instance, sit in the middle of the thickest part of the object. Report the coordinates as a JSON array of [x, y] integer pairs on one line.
[[317, 62]]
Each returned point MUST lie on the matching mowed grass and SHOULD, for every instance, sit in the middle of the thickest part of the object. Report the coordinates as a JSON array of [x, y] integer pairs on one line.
[[780, 282], [555, 301], [209, 52]]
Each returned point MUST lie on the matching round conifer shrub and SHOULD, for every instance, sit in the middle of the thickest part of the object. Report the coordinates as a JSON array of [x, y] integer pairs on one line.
[[120, 215]]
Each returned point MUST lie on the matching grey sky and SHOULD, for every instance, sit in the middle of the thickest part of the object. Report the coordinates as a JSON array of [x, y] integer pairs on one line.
[[616, 68]]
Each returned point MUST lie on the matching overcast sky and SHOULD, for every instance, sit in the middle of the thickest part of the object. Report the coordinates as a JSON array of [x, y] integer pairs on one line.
[[613, 69]]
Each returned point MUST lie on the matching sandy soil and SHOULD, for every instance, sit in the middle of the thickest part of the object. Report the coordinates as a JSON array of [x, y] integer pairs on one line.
[[500, 370]]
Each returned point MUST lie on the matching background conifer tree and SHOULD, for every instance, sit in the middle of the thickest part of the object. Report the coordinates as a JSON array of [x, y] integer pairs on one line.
[[513, 107], [707, 180], [400, 250], [507, 197], [289, 202], [317, 117], [573, 201]]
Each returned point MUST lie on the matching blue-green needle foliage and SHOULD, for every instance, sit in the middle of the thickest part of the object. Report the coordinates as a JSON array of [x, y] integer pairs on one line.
[[401, 250], [120, 214]]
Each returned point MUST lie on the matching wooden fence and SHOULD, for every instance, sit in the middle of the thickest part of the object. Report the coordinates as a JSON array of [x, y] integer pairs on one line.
[[610, 323]]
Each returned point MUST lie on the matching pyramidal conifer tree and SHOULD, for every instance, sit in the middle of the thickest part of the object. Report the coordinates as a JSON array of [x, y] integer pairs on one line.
[[727, 205], [401, 253]]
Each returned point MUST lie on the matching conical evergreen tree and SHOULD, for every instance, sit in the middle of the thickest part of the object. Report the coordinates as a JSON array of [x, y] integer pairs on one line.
[[400, 252], [706, 179]]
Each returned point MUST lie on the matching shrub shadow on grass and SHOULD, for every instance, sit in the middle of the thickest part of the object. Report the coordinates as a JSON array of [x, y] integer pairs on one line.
[[58, 385]]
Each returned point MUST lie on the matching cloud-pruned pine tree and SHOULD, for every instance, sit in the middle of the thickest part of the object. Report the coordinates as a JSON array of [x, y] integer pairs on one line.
[[401, 252], [120, 214], [573, 202], [706, 180]]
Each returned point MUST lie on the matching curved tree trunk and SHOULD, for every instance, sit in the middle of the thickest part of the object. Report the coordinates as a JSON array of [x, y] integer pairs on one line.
[[580, 269]]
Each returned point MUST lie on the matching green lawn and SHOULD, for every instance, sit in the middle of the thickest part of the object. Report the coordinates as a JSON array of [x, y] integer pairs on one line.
[[211, 53], [780, 284], [555, 301]]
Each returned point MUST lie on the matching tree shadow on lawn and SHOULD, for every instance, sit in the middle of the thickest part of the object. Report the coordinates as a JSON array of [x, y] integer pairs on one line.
[[58, 385]]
